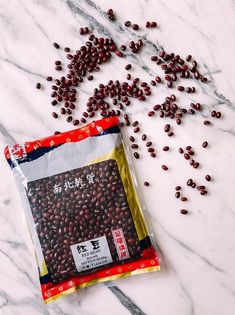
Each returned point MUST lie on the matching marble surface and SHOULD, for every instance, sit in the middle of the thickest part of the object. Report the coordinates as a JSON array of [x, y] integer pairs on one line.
[[199, 249]]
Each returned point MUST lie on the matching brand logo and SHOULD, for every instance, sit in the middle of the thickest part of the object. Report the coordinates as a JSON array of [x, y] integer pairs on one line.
[[18, 152]]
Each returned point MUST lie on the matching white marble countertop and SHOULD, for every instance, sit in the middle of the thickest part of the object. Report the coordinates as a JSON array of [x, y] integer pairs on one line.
[[198, 249]]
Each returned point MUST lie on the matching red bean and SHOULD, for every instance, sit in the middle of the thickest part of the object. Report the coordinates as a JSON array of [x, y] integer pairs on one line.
[[153, 24], [183, 211], [151, 113], [146, 184], [208, 178], [135, 27], [38, 86], [184, 198], [136, 155], [180, 88], [148, 144], [166, 148], [164, 167], [134, 146], [147, 24], [76, 122], [158, 79], [58, 68], [207, 122], [204, 144], [119, 53], [57, 46], [144, 137], [156, 107], [167, 127], [201, 187], [177, 194], [127, 23], [178, 188], [153, 154], [69, 118], [189, 182]]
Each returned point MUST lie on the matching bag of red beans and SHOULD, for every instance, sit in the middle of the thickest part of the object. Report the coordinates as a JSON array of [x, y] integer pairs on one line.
[[82, 208]]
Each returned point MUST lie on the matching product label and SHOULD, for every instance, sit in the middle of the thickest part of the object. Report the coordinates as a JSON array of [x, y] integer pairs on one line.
[[120, 243], [91, 254]]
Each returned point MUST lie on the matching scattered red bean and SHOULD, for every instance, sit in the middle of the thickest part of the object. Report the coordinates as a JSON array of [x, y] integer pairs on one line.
[[128, 66], [135, 27], [147, 24], [134, 146], [208, 178], [127, 23], [132, 139], [204, 144], [151, 113], [183, 211], [153, 24], [136, 155], [177, 194], [57, 46], [119, 53], [146, 184], [144, 137], [180, 88], [207, 122], [38, 85], [189, 182], [184, 198], [76, 122], [166, 148], [164, 167], [167, 127]]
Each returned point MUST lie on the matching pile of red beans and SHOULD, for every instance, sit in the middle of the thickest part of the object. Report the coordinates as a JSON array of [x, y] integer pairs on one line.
[[84, 62]]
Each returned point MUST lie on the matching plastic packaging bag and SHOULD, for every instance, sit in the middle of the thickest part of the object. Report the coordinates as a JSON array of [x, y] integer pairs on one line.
[[82, 208]]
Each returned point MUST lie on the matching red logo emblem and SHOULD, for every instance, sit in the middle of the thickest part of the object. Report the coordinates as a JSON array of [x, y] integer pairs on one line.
[[18, 152]]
